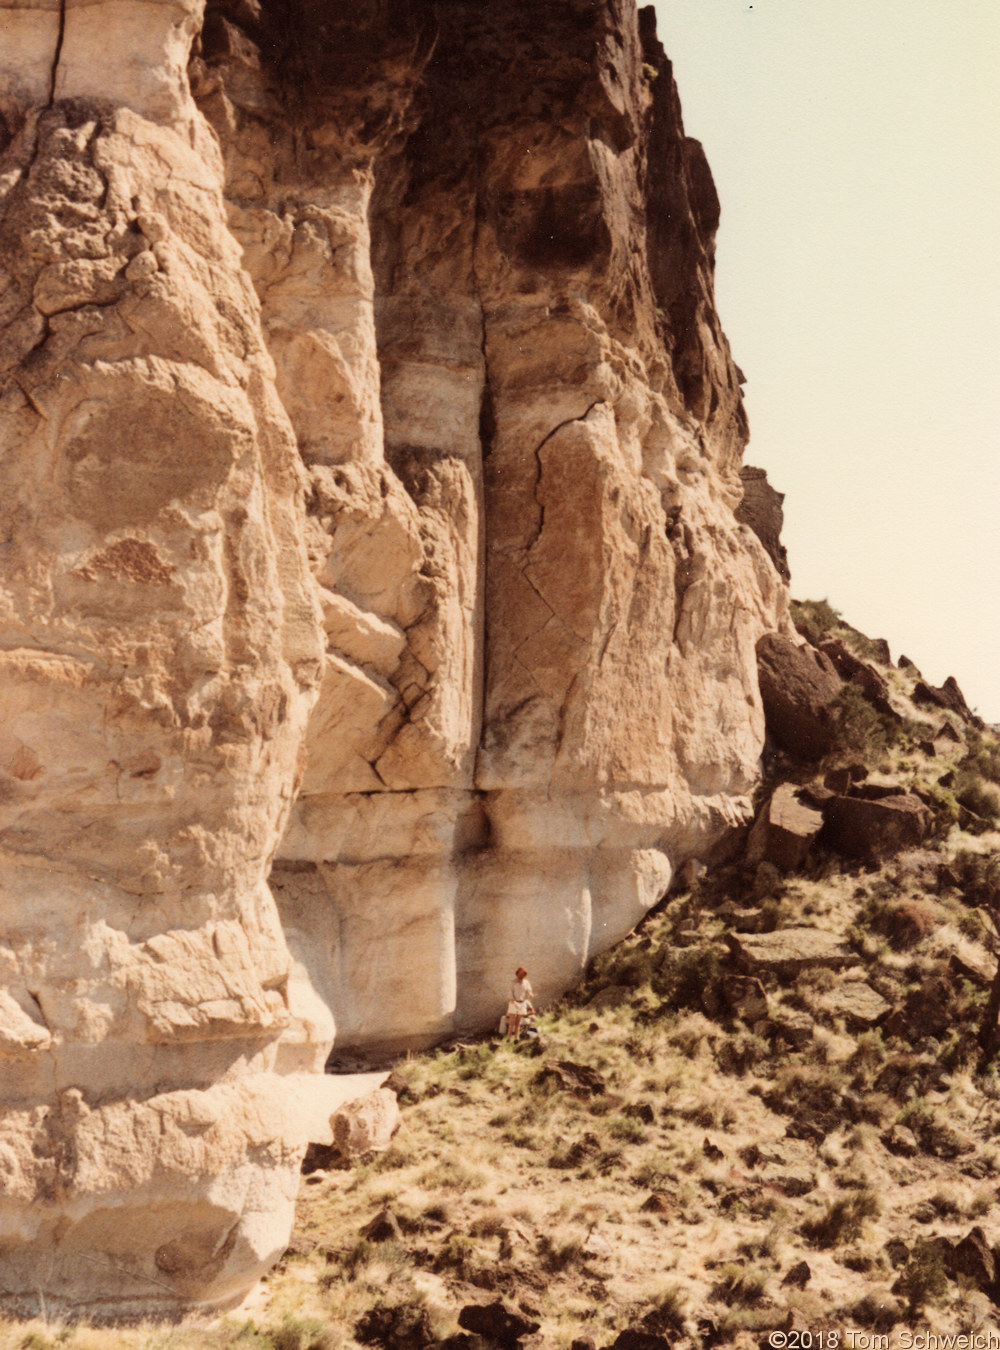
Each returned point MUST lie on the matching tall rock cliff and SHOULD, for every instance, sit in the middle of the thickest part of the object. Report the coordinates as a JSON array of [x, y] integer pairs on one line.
[[375, 617]]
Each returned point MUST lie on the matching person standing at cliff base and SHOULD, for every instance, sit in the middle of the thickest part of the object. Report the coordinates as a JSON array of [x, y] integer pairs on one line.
[[520, 1005]]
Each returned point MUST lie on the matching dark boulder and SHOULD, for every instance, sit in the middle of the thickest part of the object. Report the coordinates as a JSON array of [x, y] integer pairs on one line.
[[496, 1323], [949, 697], [798, 1276], [797, 683], [404, 1327], [637, 1339], [972, 1259], [859, 827]]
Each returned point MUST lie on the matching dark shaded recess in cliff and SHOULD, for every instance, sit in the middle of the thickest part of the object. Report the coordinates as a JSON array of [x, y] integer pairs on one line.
[[352, 68], [507, 65], [316, 46], [683, 217]]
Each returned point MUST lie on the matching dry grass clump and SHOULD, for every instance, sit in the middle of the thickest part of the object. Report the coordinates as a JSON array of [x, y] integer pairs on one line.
[[740, 1285], [843, 1220]]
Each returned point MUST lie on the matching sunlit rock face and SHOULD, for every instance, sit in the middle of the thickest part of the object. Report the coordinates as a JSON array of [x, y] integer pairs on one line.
[[483, 248], [160, 650], [374, 613]]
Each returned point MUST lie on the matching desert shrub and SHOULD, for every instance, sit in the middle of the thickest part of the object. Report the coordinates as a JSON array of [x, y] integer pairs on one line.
[[454, 1174], [651, 1174], [738, 1054], [977, 795], [739, 1285], [488, 1225], [459, 1252], [392, 1159], [683, 980], [627, 1129], [361, 1254], [302, 1333], [978, 876], [843, 1220], [248, 1336], [520, 1135], [947, 1203], [570, 1154], [765, 1246], [982, 757], [813, 618], [668, 1311], [810, 1088], [559, 1254], [904, 923], [869, 1051], [876, 1311], [859, 730], [925, 1279], [767, 1204], [945, 809], [689, 1039], [633, 963]]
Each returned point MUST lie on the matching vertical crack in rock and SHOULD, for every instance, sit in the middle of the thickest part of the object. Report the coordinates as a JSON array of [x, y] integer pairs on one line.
[[58, 52], [569, 421]]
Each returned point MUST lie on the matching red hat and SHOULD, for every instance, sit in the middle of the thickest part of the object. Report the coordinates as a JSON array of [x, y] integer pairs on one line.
[[520, 971]]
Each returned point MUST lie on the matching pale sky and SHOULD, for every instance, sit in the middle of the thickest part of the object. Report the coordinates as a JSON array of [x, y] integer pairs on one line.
[[856, 148]]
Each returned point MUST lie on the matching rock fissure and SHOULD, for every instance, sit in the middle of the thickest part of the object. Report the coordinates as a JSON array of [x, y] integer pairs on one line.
[[540, 469], [60, 37]]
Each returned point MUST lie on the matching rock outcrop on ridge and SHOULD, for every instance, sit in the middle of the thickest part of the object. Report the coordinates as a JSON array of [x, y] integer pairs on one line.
[[374, 612]]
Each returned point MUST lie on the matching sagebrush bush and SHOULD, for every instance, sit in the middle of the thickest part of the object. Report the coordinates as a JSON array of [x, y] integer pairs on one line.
[[978, 876], [740, 1285], [977, 795], [684, 980], [877, 1311], [859, 730], [302, 1333], [813, 618], [843, 1220], [982, 756], [925, 1279]]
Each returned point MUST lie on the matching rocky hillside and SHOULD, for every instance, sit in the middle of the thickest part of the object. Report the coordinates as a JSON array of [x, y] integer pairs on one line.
[[773, 1107], [374, 609]]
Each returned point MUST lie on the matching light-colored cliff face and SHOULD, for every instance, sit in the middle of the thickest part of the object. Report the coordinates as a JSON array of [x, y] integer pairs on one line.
[[159, 655], [369, 456], [540, 691]]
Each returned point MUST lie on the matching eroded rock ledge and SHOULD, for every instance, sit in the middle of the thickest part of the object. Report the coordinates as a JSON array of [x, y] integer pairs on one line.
[[370, 456]]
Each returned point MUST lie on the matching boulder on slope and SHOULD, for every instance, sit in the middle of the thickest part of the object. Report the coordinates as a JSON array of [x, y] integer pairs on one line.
[[797, 683], [783, 830]]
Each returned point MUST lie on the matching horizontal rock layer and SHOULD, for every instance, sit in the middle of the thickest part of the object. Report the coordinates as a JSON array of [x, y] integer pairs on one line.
[[374, 613]]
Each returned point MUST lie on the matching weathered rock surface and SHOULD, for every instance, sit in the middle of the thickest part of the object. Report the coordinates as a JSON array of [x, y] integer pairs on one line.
[[761, 510], [366, 1124], [797, 684], [783, 830], [787, 951], [857, 1003], [370, 455], [949, 697], [861, 827], [531, 501]]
